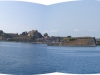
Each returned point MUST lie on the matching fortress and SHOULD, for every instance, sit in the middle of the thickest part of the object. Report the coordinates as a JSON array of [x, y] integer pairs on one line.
[[36, 37], [75, 41]]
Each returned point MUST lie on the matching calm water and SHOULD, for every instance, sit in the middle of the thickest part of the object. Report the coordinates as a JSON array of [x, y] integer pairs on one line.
[[27, 59]]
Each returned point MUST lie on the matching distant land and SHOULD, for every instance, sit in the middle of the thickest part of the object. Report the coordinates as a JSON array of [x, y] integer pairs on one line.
[[36, 37]]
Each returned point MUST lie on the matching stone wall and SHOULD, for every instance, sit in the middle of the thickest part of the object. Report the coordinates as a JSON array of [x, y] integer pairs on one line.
[[80, 41]]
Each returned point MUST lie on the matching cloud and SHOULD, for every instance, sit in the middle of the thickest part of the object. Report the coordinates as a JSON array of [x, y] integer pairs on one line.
[[46, 31], [93, 30], [47, 2], [50, 31], [97, 0], [53, 31], [77, 30]]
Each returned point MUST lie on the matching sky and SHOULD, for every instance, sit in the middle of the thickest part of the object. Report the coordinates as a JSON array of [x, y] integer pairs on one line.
[[79, 18]]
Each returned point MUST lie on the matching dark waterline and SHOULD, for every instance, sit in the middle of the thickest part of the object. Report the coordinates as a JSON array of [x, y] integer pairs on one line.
[[27, 59]]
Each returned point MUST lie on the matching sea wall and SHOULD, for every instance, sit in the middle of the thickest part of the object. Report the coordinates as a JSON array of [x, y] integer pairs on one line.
[[79, 41]]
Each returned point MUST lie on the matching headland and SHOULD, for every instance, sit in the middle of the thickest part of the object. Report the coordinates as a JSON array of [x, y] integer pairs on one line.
[[36, 37]]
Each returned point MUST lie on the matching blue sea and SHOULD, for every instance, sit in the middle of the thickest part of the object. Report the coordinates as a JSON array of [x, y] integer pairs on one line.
[[31, 59]]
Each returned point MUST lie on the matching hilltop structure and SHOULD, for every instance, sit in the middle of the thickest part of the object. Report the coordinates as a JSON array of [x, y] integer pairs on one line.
[[34, 33]]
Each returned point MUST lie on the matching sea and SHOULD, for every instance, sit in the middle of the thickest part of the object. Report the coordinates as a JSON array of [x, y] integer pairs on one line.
[[32, 59]]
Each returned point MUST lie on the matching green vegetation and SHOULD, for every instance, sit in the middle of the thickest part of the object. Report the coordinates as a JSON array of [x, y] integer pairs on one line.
[[12, 39], [68, 36], [24, 33], [37, 35], [6, 35], [1, 32], [72, 39], [98, 43], [45, 34]]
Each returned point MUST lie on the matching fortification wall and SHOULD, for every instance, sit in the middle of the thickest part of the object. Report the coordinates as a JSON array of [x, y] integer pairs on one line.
[[76, 42]]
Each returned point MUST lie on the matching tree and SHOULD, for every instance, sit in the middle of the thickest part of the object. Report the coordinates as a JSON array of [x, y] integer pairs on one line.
[[1, 32], [6, 35], [69, 36], [36, 35], [24, 33], [40, 35], [72, 39], [45, 34]]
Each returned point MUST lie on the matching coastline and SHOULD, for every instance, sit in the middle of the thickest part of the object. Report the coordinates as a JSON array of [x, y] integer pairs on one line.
[[48, 44]]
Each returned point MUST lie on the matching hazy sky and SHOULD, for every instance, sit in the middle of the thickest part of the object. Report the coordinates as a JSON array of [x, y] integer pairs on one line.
[[81, 18]]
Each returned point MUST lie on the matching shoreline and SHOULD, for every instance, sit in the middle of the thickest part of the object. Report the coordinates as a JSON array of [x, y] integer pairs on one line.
[[48, 44]]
